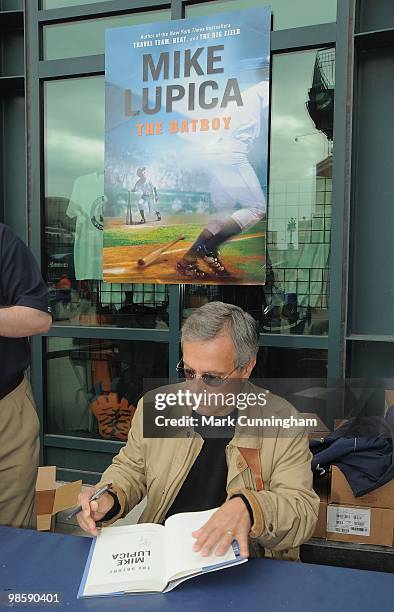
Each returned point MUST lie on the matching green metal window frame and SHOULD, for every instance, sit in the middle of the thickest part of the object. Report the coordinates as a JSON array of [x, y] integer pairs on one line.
[[340, 35]]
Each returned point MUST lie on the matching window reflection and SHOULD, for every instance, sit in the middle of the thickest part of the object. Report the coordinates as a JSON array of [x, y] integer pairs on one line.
[[299, 376], [282, 363], [93, 386], [51, 4], [285, 13], [295, 297], [299, 218], [74, 188], [87, 37]]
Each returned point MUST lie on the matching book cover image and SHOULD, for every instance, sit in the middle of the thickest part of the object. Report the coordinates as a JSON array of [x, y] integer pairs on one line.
[[186, 148]]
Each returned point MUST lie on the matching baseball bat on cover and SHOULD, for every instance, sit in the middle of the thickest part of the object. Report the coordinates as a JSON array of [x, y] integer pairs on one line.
[[152, 257]]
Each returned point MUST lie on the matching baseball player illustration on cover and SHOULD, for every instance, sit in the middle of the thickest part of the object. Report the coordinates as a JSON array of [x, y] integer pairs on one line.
[[148, 194], [235, 188]]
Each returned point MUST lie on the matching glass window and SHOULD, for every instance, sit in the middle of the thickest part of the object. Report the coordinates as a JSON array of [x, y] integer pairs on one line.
[[370, 380], [249, 298], [286, 13], [278, 362], [371, 286], [93, 386], [51, 4], [295, 297], [12, 59], [299, 204], [374, 15], [371, 359], [74, 187], [11, 5], [87, 37], [298, 375]]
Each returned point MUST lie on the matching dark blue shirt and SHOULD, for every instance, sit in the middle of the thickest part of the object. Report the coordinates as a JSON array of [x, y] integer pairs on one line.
[[21, 284], [205, 485]]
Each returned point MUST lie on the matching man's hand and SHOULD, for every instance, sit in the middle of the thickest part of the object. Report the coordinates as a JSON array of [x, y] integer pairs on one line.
[[93, 511], [230, 522]]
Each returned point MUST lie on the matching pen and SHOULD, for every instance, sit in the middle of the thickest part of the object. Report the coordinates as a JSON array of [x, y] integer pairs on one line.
[[95, 495]]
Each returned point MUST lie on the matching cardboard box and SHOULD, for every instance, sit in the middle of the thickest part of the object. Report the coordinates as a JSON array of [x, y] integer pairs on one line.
[[321, 525], [389, 397], [341, 493], [359, 524], [50, 500]]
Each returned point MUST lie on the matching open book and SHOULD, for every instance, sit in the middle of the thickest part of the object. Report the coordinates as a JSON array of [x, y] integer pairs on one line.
[[150, 557]]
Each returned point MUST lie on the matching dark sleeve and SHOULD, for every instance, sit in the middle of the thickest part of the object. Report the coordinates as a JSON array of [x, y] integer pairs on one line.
[[247, 504], [115, 508], [21, 283]]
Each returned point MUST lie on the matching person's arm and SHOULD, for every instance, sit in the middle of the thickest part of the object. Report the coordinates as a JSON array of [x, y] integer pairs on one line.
[[285, 515], [22, 321], [24, 295]]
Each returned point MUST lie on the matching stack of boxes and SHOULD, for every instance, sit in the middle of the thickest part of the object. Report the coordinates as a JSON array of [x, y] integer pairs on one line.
[[368, 519]]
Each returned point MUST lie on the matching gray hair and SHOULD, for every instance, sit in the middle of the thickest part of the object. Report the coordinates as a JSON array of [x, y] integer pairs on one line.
[[210, 320]]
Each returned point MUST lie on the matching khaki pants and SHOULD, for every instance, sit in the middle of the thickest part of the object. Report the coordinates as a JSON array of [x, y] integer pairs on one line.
[[19, 456]]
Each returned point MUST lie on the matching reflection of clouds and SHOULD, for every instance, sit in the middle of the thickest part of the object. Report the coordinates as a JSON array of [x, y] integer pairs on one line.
[[68, 143], [74, 131], [69, 155], [292, 160], [292, 164], [286, 14], [287, 123]]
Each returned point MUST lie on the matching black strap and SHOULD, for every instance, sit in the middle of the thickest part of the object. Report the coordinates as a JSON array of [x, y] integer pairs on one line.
[[115, 508], [247, 504]]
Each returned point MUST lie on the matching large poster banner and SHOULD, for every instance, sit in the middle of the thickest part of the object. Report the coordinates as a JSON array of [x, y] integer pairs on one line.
[[186, 147]]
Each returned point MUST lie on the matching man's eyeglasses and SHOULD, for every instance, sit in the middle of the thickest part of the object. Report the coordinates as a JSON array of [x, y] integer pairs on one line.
[[212, 380]]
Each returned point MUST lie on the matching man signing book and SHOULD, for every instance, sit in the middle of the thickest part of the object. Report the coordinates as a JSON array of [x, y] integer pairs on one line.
[[260, 482]]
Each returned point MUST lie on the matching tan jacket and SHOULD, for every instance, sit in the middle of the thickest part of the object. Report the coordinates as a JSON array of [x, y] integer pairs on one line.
[[285, 511]]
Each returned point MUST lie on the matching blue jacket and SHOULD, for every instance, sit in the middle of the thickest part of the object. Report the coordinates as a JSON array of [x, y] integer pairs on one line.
[[367, 461]]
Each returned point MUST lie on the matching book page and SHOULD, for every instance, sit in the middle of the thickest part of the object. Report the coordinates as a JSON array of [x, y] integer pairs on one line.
[[181, 560], [127, 558]]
